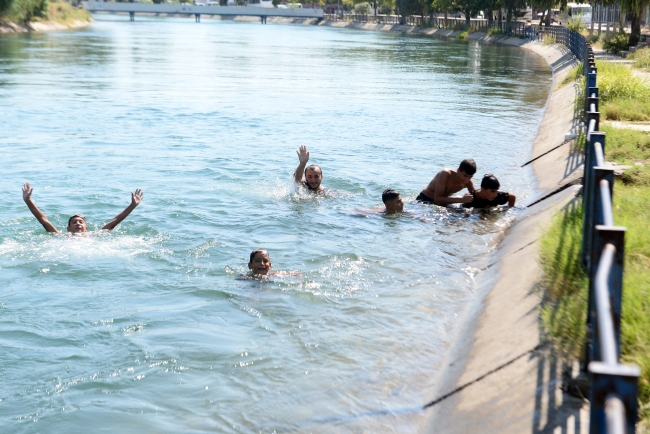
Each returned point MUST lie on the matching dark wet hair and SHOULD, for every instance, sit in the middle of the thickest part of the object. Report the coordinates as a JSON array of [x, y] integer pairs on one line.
[[76, 215], [313, 167], [490, 181], [256, 251], [468, 166], [389, 194]]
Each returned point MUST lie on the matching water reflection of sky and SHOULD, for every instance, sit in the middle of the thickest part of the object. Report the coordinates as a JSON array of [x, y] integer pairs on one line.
[[147, 328]]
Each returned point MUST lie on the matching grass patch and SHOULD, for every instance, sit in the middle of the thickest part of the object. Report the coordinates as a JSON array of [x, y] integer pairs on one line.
[[626, 110], [494, 31], [627, 146], [616, 81], [464, 34], [575, 74], [548, 39], [641, 58], [564, 311], [632, 210], [64, 13], [565, 304]]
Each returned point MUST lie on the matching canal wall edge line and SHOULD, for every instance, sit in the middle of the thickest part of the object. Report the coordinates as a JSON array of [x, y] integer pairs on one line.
[[509, 381]]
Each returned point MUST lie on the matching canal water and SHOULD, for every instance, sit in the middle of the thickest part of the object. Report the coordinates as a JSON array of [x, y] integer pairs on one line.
[[148, 329]]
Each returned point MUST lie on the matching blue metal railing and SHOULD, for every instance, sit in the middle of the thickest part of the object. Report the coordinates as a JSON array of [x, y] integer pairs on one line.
[[614, 386]]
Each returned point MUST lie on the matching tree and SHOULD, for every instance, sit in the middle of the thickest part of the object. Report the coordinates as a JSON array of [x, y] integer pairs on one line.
[[470, 8], [634, 8]]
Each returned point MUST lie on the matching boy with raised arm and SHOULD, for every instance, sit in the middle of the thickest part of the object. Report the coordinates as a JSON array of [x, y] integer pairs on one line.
[[77, 223], [448, 182], [313, 173], [489, 195]]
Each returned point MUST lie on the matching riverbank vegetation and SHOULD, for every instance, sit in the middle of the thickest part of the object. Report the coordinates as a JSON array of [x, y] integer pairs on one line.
[[28, 11], [565, 282]]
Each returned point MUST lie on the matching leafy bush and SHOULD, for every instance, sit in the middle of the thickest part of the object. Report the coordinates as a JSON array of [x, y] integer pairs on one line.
[[593, 38], [362, 8], [386, 9], [25, 11], [576, 24], [617, 43], [4, 6]]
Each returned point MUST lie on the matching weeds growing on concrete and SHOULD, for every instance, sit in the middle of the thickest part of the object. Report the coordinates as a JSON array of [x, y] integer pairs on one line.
[[575, 74], [494, 31], [548, 39]]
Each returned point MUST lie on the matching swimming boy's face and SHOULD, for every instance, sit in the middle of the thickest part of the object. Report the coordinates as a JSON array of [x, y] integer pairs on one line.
[[490, 193], [395, 205], [313, 178], [261, 264], [464, 177], [77, 225]]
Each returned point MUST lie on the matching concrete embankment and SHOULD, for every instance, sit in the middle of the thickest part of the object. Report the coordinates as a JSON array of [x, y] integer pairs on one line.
[[41, 26]]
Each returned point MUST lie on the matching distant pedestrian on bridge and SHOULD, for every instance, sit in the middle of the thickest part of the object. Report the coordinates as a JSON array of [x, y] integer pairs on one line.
[[313, 173]]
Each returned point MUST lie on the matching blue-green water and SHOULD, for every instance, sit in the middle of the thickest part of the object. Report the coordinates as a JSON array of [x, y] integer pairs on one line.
[[147, 329]]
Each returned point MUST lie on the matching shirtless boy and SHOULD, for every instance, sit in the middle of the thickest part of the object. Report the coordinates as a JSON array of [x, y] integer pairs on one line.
[[489, 195], [313, 173], [260, 266], [393, 201], [77, 223], [448, 182]]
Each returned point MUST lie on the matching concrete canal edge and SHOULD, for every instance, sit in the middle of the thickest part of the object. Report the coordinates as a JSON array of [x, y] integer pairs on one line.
[[498, 375]]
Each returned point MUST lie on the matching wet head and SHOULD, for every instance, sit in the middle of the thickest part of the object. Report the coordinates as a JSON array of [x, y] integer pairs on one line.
[[313, 177], [466, 170], [393, 201], [77, 224], [260, 262], [490, 186]]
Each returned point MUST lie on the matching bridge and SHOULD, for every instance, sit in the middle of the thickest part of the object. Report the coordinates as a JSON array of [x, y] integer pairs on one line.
[[197, 11]]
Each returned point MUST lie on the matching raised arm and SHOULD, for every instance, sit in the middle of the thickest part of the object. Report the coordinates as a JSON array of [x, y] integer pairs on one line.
[[135, 201], [439, 192], [511, 199], [470, 187], [42, 219], [303, 156]]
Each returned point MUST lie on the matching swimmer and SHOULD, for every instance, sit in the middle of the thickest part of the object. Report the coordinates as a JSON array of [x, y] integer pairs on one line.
[[260, 266], [489, 195], [77, 223], [313, 173], [448, 182], [393, 201]]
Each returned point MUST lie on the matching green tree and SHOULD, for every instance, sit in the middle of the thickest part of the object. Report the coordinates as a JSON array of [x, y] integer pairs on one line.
[[634, 9], [5, 5]]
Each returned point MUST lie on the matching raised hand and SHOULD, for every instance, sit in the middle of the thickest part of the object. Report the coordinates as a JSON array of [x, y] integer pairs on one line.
[[303, 154], [136, 197], [27, 192]]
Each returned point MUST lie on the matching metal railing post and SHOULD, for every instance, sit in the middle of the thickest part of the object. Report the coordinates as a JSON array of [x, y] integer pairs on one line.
[[604, 235], [621, 380], [588, 193]]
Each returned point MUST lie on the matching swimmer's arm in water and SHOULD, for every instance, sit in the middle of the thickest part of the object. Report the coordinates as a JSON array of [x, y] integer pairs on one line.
[[135, 201], [303, 157], [439, 192], [511, 200], [42, 218]]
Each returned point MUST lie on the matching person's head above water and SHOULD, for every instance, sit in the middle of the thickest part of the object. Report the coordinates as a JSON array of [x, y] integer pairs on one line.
[[77, 223], [468, 166], [490, 186], [313, 176], [393, 201], [260, 262]]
